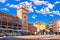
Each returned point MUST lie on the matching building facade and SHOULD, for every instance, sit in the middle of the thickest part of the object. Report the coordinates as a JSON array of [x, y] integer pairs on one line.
[[40, 26], [51, 27], [8, 22], [32, 29], [56, 26]]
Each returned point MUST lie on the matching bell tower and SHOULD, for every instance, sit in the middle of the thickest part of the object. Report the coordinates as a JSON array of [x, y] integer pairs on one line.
[[22, 14]]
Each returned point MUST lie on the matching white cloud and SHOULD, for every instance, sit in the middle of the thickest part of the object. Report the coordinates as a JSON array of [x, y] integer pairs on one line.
[[7, 4], [35, 7], [2, 1], [34, 16], [28, 6], [57, 2], [31, 10], [17, 0], [46, 9], [11, 5], [56, 12], [51, 15], [4, 9], [43, 11], [37, 11], [41, 2], [49, 5], [37, 2]]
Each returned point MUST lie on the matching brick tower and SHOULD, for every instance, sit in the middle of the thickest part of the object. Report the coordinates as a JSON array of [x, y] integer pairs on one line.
[[22, 14]]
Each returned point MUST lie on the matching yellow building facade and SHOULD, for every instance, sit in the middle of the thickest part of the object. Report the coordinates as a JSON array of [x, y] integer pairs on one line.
[[40, 26]]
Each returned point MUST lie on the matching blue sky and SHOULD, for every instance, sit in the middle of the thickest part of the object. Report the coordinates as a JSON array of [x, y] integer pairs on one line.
[[39, 10]]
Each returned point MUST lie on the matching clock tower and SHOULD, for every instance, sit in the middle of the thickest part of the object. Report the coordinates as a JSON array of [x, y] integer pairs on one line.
[[22, 14]]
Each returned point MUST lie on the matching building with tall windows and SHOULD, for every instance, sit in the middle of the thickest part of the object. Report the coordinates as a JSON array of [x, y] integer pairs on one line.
[[40, 27], [8, 22], [56, 26], [51, 27]]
